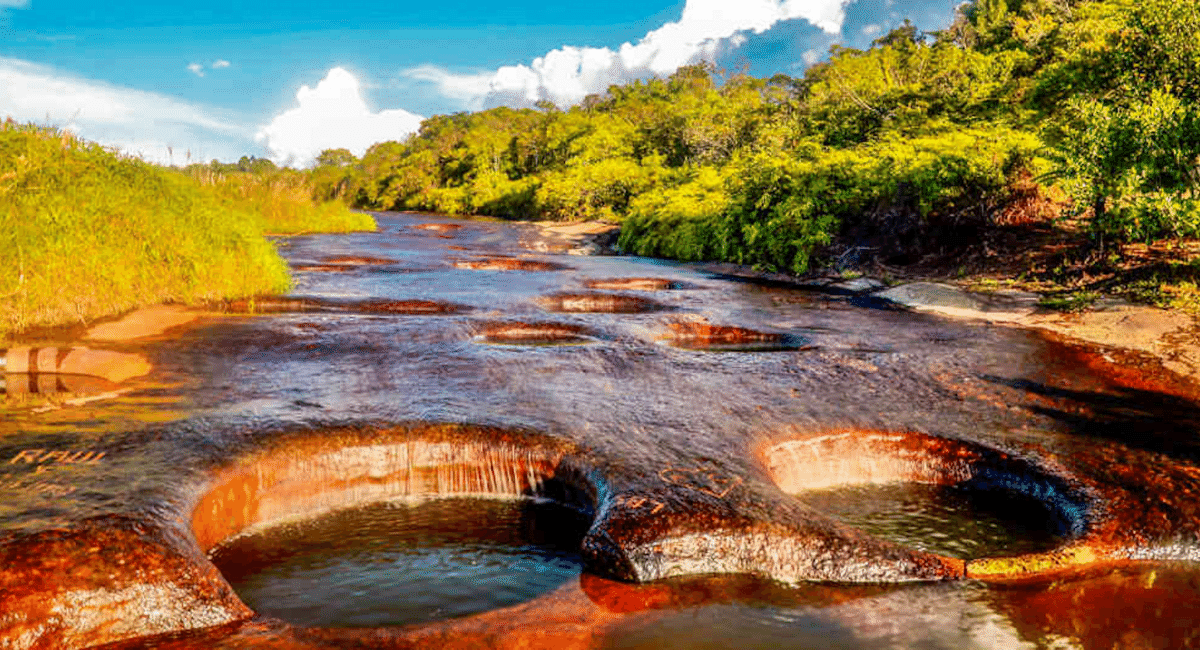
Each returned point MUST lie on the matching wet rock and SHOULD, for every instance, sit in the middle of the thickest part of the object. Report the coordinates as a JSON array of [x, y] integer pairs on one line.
[[105, 364], [343, 264], [274, 305], [508, 264], [439, 227], [349, 467], [1010, 306], [610, 303], [409, 307], [358, 260], [536, 333], [585, 238], [858, 285], [586, 249], [105, 580], [323, 268], [632, 284], [700, 334], [1169, 335], [700, 530], [142, 323]]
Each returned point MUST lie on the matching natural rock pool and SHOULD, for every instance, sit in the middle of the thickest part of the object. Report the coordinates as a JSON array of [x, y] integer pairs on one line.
[[444, 438]]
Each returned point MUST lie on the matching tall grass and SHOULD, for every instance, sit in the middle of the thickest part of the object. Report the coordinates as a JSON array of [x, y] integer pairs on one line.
[[283, 198], [85, 232]]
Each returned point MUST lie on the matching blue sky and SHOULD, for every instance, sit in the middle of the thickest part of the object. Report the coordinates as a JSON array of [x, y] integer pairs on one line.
[[284, 79]]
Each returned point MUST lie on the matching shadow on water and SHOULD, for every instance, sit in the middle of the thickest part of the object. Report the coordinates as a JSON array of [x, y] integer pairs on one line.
[[1136, 417]]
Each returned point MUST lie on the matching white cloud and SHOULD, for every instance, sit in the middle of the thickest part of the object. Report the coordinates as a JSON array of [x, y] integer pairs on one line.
[[133, 121], [464, 88], [566, 75], [332, 115], [14, 4], [220, 63], [196, 69]]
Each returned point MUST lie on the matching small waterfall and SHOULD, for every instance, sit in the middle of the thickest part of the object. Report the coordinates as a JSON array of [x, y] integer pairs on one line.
[[300, 480]]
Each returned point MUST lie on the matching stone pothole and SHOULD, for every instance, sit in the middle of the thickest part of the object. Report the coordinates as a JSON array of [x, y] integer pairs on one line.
[[633, 284], [610, 303], [533, 333], [933, 494], [285, 305], [698, 334], [394, 527], [508, 264]]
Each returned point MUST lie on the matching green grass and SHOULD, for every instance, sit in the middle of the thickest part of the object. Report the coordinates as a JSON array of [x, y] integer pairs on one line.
[[283, 198], [1070, 301], [85, 233], [1175, 285]]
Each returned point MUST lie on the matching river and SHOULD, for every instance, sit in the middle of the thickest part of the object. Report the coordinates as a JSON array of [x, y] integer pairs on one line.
[[624, 452]]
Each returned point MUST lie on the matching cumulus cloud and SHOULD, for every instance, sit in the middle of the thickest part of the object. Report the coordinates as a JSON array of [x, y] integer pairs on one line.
[[220, 63], [132, 121], [196, 69], [761, 36], [332, 115], [706, 30]]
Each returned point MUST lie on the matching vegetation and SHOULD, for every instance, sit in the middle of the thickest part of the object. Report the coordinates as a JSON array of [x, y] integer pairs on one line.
[[85, 232], [1019, 112], [282, 198], [1022, 113]]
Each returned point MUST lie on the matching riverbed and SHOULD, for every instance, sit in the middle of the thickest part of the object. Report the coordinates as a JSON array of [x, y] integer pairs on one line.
[[742, 464]]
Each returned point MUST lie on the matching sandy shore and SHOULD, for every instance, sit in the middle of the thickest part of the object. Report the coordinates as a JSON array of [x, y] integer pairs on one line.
[[1171, 336]]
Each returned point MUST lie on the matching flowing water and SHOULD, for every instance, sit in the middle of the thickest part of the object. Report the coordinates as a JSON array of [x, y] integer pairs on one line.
[[660, 399]]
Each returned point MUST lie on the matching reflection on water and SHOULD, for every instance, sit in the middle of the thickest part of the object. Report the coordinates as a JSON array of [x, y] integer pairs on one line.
[[961, 523], [744, 612], [399, 563]]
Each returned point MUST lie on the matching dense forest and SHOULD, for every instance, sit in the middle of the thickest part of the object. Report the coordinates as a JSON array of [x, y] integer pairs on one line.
[[1021, 110]]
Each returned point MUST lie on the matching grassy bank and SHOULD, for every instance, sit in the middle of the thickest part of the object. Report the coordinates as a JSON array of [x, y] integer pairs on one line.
[[86, 233], [283, 199]]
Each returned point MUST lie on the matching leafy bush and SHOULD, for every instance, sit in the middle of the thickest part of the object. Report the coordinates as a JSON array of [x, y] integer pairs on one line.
[[494, 194], [601, 190], [679, 222]]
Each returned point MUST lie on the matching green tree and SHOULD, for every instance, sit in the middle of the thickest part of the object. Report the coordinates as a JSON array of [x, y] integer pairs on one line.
[[1127, 136], [335, 158]]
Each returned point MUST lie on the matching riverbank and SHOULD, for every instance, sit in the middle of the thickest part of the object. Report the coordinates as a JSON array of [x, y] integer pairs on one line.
[[1140, 299], [86, 233], [1170, 336]]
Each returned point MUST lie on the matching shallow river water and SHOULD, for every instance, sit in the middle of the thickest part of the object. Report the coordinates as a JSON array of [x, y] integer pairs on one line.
[[731, 444]]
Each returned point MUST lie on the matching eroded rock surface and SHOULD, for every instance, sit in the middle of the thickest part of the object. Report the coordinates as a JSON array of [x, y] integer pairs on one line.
[[691, 467]]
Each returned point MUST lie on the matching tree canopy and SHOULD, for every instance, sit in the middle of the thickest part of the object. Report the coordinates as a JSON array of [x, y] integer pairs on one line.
[[920, 138]]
